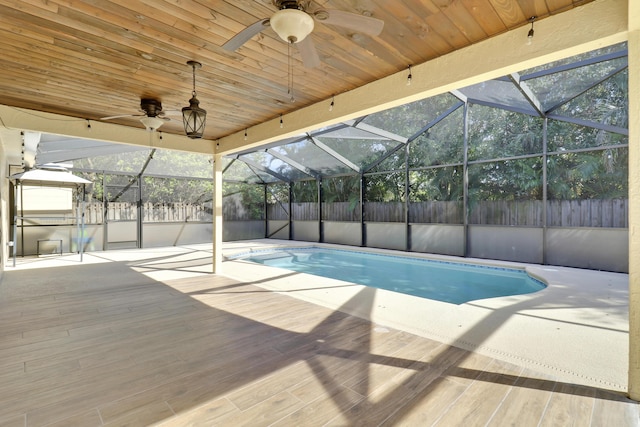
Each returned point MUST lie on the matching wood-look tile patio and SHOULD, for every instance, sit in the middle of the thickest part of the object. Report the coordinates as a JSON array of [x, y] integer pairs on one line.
[[104, 345]]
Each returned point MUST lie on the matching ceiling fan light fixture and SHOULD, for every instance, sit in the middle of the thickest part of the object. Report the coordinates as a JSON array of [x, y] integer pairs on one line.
[[292, 25], [193, 117], [151, 123]]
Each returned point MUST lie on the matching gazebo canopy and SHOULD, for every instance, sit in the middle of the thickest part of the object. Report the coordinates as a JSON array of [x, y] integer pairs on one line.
[[48, 177]]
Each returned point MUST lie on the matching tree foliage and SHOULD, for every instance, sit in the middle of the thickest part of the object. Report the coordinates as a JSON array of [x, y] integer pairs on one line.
[[248, 197]]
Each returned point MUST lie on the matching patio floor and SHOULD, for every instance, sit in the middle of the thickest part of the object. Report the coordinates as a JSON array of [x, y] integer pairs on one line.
[[143, 337]]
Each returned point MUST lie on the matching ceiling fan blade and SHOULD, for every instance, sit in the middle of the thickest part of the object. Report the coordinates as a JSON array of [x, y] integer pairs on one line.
[[120, 116], [245, 35], [308, 52], [353, 21]]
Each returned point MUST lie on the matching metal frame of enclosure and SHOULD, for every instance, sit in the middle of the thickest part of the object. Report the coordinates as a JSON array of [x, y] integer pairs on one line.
[[123, 217], [121, 208], [531, 167]]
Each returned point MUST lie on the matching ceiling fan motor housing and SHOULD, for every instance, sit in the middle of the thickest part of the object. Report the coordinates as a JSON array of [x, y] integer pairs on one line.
[[287, 4], [151, 107]]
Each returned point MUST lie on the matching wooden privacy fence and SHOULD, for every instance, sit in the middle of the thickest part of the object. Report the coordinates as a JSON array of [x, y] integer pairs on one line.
[[588, 213], [502, 212], [560, 213], [233, 210], [442, 212], [151, 212]]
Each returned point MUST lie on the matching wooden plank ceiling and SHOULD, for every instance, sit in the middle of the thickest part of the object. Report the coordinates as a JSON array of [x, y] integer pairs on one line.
[[98, 58]]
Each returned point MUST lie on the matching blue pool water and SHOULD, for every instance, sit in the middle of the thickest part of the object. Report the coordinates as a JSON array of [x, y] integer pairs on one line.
[[451, 282]]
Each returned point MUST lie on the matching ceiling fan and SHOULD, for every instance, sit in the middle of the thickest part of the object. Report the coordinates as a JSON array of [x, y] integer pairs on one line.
[[152, 117], [294, 21]]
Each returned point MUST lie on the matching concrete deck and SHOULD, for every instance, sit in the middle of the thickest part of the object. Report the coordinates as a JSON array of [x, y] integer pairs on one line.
[[576, 329]]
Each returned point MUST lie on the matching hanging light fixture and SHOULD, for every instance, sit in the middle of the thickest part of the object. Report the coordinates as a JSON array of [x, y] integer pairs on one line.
[[291, 23], [530, 33], [194, 117]]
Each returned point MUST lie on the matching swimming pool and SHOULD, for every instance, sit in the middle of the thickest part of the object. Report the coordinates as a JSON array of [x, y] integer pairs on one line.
[[450, 282]]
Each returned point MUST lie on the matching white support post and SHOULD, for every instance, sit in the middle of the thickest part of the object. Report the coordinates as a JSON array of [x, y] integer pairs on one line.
[[634, 199], [217, 214]]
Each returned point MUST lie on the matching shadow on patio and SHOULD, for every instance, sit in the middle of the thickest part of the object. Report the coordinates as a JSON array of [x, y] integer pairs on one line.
[[102, 344]]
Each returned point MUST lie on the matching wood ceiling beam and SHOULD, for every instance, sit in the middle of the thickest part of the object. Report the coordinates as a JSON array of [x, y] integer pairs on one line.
[[592, 26], [27, 120]]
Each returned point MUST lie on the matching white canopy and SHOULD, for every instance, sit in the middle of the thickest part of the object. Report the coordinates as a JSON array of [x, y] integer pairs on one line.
[[49, 178]]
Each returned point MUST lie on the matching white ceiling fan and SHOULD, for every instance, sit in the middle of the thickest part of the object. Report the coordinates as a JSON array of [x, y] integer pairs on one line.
[[152, 117], [294, 21]]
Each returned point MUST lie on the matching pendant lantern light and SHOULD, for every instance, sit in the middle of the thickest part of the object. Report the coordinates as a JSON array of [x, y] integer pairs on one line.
[[194, 117]]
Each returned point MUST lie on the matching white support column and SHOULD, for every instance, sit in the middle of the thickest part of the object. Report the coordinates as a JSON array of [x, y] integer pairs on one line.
[[217, 214], [634, 199]]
